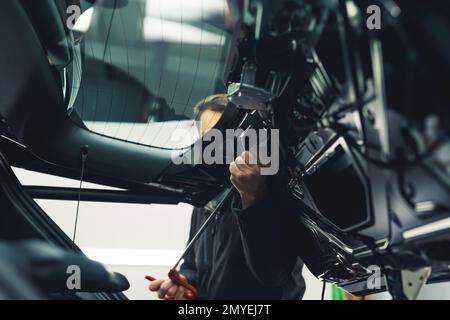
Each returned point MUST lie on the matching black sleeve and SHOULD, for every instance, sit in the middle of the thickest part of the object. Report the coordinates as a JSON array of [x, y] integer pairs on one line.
[[268, 231], [189, 268]]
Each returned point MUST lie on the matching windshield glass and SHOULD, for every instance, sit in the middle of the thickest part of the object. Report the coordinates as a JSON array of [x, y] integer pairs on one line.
[[145, 64]]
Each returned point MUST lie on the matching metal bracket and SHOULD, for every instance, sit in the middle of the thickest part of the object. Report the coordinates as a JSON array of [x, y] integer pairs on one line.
[[413, 281], [249, 96], [246, 94], [407, 284]]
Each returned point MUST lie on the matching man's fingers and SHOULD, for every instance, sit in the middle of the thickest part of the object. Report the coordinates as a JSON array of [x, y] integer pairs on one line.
[[234, 170], [180, 293], [255, 157], [242, 170], [167, 297], [251, 157], [154, 285], [247, 158], [172, 291], [239, 168], [165, 286], [242, 163], [236, 175], [175, 293]]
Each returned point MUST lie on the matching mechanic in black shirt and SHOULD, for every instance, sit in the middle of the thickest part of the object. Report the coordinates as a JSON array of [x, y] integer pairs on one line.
[[221, 266]]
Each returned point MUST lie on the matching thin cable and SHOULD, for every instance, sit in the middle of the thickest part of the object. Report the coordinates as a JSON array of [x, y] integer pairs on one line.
[[84, 153], [323, 289]]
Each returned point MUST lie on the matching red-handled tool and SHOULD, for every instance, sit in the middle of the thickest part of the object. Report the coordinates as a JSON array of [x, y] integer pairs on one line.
[[190, 293], [150, 278]]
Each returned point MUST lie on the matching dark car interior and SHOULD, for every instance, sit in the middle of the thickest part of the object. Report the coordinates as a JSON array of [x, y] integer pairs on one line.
[[355, 107]]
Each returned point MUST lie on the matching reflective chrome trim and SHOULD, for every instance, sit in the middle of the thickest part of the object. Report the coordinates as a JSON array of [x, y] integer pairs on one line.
[[381, 245], [427, 229], [425, 206], [334, 240], [313, 165]]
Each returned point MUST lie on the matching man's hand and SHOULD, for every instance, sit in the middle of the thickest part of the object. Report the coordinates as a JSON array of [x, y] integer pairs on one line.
[[247, 179], [167, 289]]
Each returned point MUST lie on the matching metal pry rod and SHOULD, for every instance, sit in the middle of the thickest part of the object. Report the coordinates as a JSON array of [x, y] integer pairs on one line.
[[174, 275], [228, 193]]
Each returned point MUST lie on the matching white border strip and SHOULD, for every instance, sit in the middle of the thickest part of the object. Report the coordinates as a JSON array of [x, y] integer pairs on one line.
[[133, 257]]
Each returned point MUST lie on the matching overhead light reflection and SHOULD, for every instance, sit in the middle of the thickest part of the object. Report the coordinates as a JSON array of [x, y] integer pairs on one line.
[[169, 31], [84, 22], [182, 10]]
